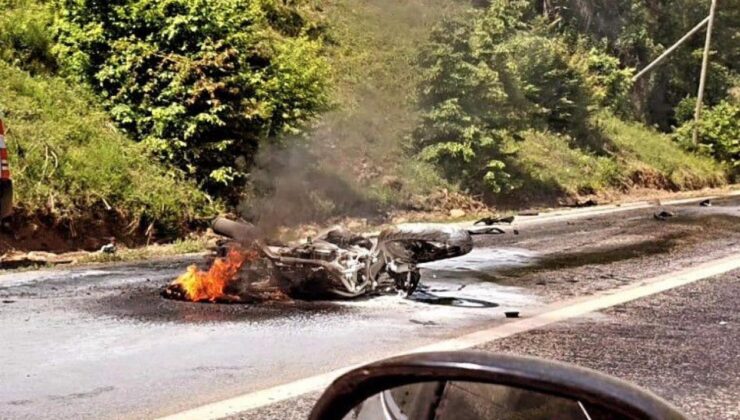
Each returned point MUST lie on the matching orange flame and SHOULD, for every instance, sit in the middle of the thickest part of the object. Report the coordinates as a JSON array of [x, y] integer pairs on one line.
[[209, 286]]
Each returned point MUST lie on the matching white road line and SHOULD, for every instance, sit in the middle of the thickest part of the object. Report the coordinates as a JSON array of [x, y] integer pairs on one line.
[[549, 315], [559, 215], [578, 213]]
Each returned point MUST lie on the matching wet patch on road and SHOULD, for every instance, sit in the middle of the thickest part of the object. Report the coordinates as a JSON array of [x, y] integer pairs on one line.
[[583, 259], [598, 256], [424, 296], [480, 264], [145, 305]]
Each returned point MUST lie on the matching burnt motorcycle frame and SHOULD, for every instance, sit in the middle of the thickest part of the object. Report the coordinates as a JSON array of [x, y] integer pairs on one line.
[[396, 251], [527, 373]]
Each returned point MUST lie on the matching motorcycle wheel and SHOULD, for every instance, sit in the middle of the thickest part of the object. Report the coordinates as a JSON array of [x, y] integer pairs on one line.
[[406, 282]]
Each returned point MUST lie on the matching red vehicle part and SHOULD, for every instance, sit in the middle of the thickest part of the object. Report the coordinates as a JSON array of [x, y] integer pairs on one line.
[[6, 184]]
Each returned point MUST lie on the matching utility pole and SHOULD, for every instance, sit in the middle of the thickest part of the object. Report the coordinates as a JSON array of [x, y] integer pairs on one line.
[[670, 49], [703, 76]]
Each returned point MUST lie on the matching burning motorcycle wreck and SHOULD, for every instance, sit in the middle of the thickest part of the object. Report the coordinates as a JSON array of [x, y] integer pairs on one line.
[[337, 264]]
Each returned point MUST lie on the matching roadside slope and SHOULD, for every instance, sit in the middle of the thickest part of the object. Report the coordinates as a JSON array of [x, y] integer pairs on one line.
[[77, 180]]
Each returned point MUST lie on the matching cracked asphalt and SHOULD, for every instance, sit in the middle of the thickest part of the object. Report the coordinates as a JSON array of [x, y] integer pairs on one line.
[[99, 342]]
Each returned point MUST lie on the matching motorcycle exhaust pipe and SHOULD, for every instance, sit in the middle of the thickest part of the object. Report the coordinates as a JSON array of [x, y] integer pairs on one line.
[[242, 232]]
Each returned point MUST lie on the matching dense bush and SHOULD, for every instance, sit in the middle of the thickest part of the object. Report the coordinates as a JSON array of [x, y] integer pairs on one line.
[[25, 39], [486, 79], [610, 84], [464, 110], [200, 82], [555, 91], [719, 133], [502, 81], [68, 161]]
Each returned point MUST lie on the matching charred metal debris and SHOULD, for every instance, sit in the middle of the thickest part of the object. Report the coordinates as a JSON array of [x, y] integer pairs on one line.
[[338, 263]]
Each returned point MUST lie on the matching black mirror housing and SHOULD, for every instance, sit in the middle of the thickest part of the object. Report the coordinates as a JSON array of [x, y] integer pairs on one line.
[[528, 373]]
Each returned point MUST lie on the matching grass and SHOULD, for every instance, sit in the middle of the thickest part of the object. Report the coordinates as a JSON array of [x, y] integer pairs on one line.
[[643, 150], [179, 247], [69, 162], [640, 157], [550, 159], [25, 39]]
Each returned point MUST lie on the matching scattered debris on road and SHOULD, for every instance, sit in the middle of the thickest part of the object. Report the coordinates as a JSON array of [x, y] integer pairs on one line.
[[529, 213], [424, 323], [706, 203], [588, 203], [488, 230], [110, 247], [492, 220], [425, 296], [663, 215], [512, 314]]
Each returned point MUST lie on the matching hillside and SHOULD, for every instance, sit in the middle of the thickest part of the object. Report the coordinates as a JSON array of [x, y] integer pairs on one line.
[[77, 179], [303, 112], [378, 71]]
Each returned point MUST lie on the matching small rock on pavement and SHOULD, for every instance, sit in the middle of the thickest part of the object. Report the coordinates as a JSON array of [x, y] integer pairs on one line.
[[457, 213]]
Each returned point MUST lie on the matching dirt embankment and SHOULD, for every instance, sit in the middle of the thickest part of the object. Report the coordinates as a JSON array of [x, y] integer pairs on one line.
[[40, 231]]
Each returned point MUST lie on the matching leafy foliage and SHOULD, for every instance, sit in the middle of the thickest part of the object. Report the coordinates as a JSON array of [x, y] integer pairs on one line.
[[458, 129], [719, 133], [610, 84], [500, 83], [554, 89], [200, 82], [25, 40], [67, 161], [486, 79], [637, 32]]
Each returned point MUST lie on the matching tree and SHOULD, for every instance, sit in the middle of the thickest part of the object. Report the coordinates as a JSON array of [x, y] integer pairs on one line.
[[488, 77], [719, 133], [201, 82]]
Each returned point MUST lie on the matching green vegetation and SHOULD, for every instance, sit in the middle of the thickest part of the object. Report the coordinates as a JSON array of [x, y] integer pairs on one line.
[[636, 32], [552, 166], [649, 158], [719, 133], [201, 82], [158, 113], [69, 162], [25, 39], [507, 101]]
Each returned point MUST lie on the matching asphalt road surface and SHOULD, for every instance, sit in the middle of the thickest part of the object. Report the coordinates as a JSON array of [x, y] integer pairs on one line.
[[100, 342]]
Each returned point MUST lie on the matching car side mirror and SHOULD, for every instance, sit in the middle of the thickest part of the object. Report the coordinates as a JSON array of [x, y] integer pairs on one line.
[[477, 385]]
